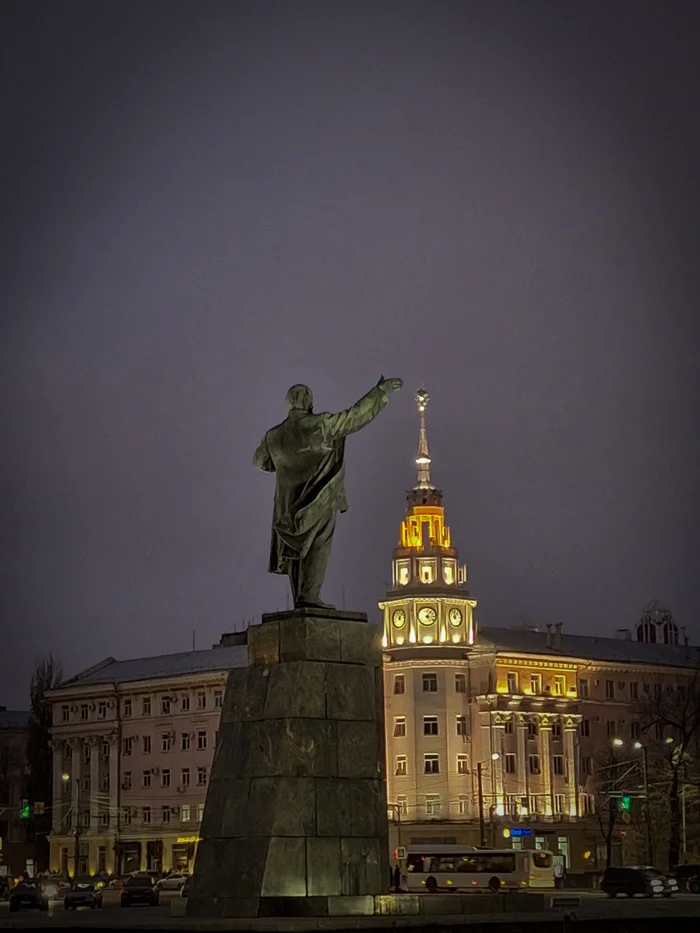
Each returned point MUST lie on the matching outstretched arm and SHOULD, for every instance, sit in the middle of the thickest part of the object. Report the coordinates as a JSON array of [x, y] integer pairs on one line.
[[362, 412], [262, 459]]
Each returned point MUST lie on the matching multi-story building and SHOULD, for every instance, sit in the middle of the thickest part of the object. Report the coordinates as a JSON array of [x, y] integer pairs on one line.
[[497, 734], [15, 848], [132, 750]]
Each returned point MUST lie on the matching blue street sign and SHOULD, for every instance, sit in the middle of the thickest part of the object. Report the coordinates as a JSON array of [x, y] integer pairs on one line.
[[519, 831]]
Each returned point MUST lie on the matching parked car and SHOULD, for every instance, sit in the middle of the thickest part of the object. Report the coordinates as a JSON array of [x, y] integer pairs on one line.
[[637, 880], [688, 877], [185, 889], [172, 882], [83, 893], [29, 895], [139, 889]]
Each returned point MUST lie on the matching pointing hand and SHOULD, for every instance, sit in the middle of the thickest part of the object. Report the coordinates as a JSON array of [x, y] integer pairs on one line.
[[390, 385]]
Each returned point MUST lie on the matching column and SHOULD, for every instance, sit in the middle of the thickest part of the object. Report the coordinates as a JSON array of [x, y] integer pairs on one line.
[[94, 743], [570, 726], [499, 731], [58, 811], [75, 762], [523, 781], [546, 763], [114, 783]]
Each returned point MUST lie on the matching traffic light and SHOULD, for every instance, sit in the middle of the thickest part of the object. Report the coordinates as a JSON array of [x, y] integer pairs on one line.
[[24, 812], [624, 803]]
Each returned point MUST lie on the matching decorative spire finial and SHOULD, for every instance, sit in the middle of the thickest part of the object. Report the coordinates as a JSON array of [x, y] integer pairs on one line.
[[423, 459]]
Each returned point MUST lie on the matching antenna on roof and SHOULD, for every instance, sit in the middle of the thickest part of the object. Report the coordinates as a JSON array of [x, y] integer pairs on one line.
[[193, 639]]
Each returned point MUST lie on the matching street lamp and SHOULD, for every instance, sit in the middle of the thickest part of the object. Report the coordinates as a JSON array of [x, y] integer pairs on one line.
[[76, 852], [638, 746], [480, 788]]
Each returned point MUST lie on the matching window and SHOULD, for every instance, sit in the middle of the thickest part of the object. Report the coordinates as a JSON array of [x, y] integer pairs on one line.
[[532, 804], [185, 813], [102, 709], [87, 752], [511, 765], [185, 704], [104, 818], [429, 683], [201, 776], [559, 685], [185, 741], [65, 714], [146, 779], [165, 777], [558, 764], [636, 730], [126, 780], [83, 711], [426, 572], [460, 683], [67, 751], [105, 751], [399, 726], [165, 814], [401, 764], [85, 818], [399, 684], [462, 806], [609, 689], [86, 782], [587, 765], [432, 804], [201, 700], [431, 764], [127, 745], [512, 682], [185, 777], [585, 728], [556, 730], [146, 744], [218, 699], [402, 805], [165, 705], [146, 706], [448, 572], [147, 814], [200, 812], [104, 782], [583, 689], [611, 728], [534, 763], [430, 725], [659, 731], [559, 803], [535, 683], [587, 804], [509, 726], [166, 742], [634, 690], [532, 729], [461, 764], [461, 725], [657, 691], [126, 709]]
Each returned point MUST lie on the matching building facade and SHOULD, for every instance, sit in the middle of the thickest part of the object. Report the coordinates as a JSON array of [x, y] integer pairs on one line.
[[133, 743], [506, 736]]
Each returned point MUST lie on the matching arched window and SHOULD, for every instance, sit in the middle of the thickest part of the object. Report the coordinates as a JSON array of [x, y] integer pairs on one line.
[[670, 633], [646, 632]]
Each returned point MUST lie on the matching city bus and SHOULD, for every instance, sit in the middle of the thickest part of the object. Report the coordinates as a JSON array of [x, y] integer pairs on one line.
[[433, 868]]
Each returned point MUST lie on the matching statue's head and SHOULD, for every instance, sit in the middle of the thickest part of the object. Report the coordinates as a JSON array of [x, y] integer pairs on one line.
[[300, 396]]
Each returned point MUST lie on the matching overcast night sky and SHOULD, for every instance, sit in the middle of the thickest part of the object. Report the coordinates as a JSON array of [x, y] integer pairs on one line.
[[204, 203]]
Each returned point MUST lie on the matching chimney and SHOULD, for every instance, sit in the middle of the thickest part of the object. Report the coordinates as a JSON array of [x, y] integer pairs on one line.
[[625, 634], [548, 637], [557, 636]]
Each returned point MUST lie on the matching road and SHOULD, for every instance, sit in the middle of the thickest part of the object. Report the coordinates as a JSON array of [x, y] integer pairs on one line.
[[593, 906]]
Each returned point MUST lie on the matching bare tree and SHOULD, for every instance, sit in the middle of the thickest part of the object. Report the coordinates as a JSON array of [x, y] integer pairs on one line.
[[612, 774], [47, 675]]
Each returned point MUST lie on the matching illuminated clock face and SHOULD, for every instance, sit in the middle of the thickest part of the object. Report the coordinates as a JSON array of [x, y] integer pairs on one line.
[[399, 618], [427, 615], [455, 617]]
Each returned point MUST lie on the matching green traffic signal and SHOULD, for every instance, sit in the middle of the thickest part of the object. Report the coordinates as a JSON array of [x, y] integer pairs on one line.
[[24, 812], [624, 802]]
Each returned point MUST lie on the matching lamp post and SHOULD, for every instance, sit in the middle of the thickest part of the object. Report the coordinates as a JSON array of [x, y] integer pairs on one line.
[[76, 851], [480, 791], [647, 808]]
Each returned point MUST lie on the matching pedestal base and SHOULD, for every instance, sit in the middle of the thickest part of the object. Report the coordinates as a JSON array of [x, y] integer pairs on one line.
[[295, 820]]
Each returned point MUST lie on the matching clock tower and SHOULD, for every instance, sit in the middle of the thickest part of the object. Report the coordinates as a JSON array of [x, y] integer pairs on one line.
[[428, 603]]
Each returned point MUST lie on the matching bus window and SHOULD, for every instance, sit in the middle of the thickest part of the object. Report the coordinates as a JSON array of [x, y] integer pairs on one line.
[[414, 863], [542, 859], [442, 864]]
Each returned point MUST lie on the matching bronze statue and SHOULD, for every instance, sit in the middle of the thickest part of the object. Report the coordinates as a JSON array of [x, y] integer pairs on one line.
[[307, 454]]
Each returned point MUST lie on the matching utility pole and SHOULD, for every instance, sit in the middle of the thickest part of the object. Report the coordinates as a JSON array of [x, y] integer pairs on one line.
[[647, 807], [480, 790]]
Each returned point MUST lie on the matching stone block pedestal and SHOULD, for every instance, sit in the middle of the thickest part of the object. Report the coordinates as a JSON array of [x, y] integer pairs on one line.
[[295, 820]]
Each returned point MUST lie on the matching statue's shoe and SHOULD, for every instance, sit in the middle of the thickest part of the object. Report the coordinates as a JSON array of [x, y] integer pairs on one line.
[[316, 605]]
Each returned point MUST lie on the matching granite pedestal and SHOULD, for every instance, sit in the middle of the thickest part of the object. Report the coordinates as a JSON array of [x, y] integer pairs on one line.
[[295, 820]]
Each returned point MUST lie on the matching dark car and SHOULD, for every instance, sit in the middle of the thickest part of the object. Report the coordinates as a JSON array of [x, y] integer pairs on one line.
[[630, 881], [4, 888], [139, 889], [83, 893], [688, 877], [29, 895]]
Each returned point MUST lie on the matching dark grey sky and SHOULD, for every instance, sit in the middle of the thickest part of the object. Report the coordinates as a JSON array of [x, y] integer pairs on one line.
[[206, 202]]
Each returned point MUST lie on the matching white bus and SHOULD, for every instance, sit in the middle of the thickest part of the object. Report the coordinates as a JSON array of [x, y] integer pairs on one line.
[[433, 868]]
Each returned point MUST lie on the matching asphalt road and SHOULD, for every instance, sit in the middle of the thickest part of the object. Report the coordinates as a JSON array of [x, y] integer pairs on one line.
[[593, 906]]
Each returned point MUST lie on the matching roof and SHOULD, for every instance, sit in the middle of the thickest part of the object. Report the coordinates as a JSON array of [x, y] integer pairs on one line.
[[110, 671], [522, 641], [13, 719]]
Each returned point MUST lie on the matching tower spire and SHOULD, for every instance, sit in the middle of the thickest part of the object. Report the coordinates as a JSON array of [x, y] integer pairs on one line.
[[423, 459]]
